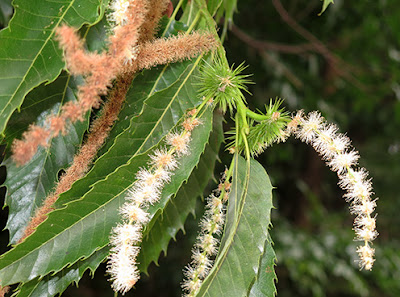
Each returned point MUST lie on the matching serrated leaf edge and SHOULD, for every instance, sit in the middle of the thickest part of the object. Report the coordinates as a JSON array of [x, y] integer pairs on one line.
[[50, 36], [138, 153]]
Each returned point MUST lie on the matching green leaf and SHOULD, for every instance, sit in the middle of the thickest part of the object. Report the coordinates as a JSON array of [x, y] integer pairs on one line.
[[145, 85], [27, 191], [134, 134], [168, 222], [83, 226], [248, 216], [325, 5], [28, 185], [96, 36], [155, 239], [265, 282], [213, 6], [51, 285], [29, 55]]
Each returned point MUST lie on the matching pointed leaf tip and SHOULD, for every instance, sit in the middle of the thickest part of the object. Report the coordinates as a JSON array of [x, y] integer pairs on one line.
[[325, 6]]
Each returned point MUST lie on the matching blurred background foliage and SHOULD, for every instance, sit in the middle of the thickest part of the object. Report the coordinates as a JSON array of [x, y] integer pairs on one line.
[[345, 63]]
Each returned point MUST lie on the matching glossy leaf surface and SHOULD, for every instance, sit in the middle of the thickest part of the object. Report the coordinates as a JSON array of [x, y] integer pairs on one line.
[[248, 217], [51, 285], [29, 55], [266, 278], [153, 114], [168, 222], [28, 185], [83, 226]]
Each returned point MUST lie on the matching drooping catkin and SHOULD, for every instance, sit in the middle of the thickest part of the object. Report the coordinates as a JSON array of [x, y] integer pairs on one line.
[[126, 236], [206, 246], [336, 150]]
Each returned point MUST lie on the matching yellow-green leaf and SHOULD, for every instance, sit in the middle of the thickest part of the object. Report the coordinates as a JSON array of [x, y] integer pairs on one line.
[[325, 5]]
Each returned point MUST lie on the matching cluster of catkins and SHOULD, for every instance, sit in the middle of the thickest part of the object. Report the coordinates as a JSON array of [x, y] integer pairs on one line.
[[98, 70], [132, 47], [206, 246], [126, 236], [335, 149]]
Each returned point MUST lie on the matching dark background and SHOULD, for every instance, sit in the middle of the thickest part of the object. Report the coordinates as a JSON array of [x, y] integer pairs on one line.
[[344, 63]]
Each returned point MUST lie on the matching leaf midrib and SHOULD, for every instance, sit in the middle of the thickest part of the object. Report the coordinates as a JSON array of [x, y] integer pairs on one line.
[[157, 123], [169, 104], [221, 260], [103, 180]]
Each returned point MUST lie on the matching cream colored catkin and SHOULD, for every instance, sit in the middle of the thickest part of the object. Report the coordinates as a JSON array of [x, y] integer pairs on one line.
[[336, 150], [126, 237], [206, 246]]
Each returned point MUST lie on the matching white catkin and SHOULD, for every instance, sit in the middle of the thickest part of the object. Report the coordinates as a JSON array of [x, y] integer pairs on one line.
[[335, 149], [126, 237], [206, 245]]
